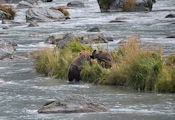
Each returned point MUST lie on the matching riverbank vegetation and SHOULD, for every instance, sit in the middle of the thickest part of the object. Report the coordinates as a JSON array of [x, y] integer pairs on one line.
[[9, 13], [133, 67]]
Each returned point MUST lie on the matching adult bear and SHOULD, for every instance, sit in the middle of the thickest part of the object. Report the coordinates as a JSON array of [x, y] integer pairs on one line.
[[77, 65], [103, 58]]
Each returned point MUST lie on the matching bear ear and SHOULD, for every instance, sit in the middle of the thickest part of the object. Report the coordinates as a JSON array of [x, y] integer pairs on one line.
[[80, 53]]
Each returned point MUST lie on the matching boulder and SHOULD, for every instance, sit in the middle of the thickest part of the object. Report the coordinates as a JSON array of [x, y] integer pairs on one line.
[[24, 4], [94, 29], [171, 36], [6, 50], [44, 15], [73, 104], [170, 16], [33, 24], [125, 5], [75, 4], [63, 39]]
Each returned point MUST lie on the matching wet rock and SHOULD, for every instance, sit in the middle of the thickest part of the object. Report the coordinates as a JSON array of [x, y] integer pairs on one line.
[[47, 0], [73, 104], [24, 4], [63, 39], [125, 5], [75, 4], [94, 29], [118, 20], [6, 50], [13, 43], [170, 16], [5, 27], [171, 36], [44, 15], [33, 24]]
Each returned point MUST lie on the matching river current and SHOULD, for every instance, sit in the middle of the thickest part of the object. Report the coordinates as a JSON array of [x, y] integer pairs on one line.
[[25, 91]]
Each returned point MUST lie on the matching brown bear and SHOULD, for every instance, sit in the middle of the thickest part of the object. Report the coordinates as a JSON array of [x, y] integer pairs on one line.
[[103, 58], [77, 65]]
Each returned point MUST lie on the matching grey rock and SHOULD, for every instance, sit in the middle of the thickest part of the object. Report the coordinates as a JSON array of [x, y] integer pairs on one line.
[[44, 15], [24, 4], [94, 29], [33, 24], [73, 104], [6, 50], [122, 5], [63, 39], [170, 16], [75, 4]]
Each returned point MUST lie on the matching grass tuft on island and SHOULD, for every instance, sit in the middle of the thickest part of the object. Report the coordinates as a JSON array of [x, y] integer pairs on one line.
[[133, 67]]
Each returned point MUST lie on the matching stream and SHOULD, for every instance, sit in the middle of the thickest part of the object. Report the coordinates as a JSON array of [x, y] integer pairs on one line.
[[25, 91]]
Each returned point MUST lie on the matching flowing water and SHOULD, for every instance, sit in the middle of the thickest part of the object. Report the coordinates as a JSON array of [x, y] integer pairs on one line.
[[25, 91]]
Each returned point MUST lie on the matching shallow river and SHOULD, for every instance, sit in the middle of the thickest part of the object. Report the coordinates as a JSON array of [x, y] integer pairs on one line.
[[25, 91]]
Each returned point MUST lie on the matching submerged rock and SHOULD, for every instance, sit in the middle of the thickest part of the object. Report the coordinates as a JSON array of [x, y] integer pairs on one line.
[[94, 29], [44, 15], [6, 50], [17, 1], [73, 104], [125, 5], [33, 24], [75, 4], [24, 4], [63, 39], [118, 20], [170, 16]]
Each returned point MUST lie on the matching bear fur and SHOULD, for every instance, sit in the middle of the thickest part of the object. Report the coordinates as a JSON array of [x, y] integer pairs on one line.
[[77, 65], [103, 58]]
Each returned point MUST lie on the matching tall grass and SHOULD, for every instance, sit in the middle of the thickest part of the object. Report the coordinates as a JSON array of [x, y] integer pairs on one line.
[[133, 67], [55, 63]]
